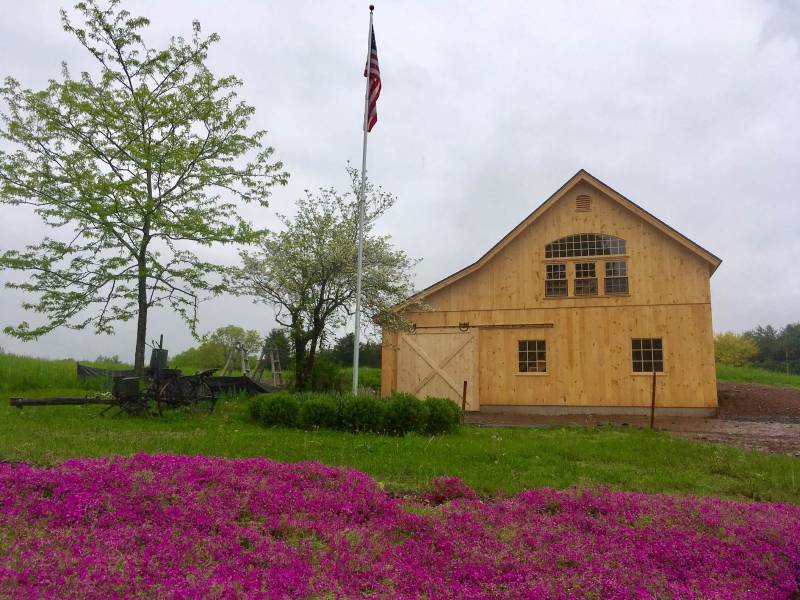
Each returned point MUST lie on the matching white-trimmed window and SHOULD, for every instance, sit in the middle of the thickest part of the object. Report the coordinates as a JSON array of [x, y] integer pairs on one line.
[[585, 244], [585, 279], [555, 284], [532, 356], [648, 355], [616, 281]]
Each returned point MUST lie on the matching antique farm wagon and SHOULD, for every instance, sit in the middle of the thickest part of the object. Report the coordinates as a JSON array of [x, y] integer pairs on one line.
[[571, 312]]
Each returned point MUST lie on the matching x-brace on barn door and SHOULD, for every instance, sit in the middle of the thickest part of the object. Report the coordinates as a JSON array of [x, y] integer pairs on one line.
[[437, 363]]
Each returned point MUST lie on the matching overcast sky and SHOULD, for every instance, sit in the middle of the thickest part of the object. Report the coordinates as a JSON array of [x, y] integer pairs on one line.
[[690, 109]]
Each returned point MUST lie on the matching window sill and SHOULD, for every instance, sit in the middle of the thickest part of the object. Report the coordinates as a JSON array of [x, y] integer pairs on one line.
[[532, 374], [650, 374], [592, 258], [620, 295]]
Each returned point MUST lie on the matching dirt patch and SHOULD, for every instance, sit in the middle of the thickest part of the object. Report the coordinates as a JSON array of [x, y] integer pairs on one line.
[[758, 402], [752, 416]]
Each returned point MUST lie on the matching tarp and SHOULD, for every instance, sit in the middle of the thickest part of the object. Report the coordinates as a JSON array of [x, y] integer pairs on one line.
[[90, 372], [239, 384]]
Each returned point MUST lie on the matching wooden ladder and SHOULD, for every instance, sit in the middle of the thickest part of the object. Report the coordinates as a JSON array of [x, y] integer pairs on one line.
[[275, 363], [271, 355]]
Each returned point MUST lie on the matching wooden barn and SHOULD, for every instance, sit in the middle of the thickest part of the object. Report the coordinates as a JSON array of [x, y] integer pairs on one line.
[[571, 312]]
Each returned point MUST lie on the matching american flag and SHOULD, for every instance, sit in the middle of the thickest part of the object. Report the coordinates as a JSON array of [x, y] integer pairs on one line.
[[372, 71]]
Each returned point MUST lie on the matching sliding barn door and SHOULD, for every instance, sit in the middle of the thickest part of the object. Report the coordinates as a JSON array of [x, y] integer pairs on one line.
[[437, 363]]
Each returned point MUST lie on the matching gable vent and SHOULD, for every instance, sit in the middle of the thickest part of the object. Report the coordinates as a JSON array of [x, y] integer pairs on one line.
[[583, 203]]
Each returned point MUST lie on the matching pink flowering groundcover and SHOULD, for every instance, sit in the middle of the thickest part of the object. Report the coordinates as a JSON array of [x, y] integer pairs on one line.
[[205, 527]]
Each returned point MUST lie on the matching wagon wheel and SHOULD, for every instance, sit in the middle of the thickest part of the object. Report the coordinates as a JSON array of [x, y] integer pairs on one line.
[[196, 393], [205, 395], [167, 395]]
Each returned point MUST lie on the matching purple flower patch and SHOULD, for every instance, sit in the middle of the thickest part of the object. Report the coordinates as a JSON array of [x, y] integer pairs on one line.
[[197, 526]]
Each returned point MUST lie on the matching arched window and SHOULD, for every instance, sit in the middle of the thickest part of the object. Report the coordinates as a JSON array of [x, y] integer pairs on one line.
[[585, 244]]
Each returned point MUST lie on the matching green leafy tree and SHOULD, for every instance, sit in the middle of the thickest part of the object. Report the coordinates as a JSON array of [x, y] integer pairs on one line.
[[369, 353], [778, 350], [206, 355], [768, 341], [128, 165], [736, 350], [109, 360], [308, 270], [215, 349], [237, 343]]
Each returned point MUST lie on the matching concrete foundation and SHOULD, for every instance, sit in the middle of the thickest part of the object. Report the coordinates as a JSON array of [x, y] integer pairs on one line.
[[560, 409]]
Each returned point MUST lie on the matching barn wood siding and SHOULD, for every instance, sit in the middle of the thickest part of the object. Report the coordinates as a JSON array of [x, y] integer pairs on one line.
[[589, 361]]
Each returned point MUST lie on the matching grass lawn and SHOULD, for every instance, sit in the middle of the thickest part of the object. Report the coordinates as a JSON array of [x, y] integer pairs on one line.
[[754, 375], [488, 459]]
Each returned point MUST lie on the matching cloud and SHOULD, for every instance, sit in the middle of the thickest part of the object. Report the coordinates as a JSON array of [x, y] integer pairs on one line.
[[690, 109]]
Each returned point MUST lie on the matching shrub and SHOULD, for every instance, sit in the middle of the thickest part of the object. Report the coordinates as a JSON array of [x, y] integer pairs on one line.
[[443, 416], [327, 376], [405, 413], [280, 408], [397, 415], [736, 350], [319, 410], [254, 408], [362, 413]]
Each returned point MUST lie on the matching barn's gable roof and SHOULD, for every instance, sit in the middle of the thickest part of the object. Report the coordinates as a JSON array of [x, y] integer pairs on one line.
[[581, 176]]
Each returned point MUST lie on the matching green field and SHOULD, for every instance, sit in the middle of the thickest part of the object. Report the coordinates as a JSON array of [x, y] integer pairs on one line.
[[29, 373], [754, 375], [488, 459]]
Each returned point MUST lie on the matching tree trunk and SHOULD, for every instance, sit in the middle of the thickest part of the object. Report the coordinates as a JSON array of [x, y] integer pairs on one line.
[[301, 373], [141, 323], [310, 359]]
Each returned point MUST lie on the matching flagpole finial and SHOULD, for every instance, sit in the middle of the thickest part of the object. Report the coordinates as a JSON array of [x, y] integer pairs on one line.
[[371, 7]]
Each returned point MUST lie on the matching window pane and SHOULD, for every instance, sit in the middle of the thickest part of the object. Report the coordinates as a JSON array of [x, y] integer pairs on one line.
[[585, 244], [616, 268], [585, 287], [556, 271], [555, 288], [616, 285]]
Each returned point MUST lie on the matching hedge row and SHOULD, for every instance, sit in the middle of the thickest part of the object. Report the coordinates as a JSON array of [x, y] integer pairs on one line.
[[395, 415]]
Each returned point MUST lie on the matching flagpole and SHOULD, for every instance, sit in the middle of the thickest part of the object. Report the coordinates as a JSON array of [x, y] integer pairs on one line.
[[361, 203]]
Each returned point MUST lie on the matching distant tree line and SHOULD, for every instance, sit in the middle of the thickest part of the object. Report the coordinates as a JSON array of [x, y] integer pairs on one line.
[[369, 353], [238, 343], [765, 347]]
